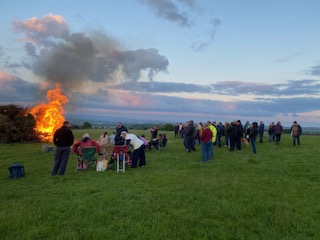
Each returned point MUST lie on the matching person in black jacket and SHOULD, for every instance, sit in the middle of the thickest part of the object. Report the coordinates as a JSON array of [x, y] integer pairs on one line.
[[239, 134], [120, 128], [63, 139], [253, 136], [190, 134]]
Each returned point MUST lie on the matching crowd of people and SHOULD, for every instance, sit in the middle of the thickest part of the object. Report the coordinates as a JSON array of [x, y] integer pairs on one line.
[[207, 135], [230, 134]]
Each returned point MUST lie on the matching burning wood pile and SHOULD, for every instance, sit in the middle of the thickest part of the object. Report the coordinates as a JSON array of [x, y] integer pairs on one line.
[[49, 116]]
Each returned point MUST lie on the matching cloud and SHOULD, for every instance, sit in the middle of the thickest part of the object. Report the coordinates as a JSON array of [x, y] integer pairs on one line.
[[142, 105], [230, 88], [203, 44], [134, 61], [289, 58], [178, 12], [170, 10], [165, 87], [43, 31], [289, 88], [314, 71], [15, 90], [147, 104], [78, 59]]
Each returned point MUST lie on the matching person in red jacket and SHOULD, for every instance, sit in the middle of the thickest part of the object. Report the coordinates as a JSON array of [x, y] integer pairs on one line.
[[207, 145], [85, 142]]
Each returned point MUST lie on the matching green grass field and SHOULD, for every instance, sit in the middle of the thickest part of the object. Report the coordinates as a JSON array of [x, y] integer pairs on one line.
[[273, 195]]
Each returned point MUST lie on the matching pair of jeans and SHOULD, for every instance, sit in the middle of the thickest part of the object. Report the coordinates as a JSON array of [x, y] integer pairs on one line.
[[271, 137], [296, 138], [60, 160], [253, 144], [227, 139], [219, 141], [261, 137], [207, 151]]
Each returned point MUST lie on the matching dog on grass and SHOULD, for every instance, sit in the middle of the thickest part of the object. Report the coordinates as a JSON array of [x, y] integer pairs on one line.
[[245, 141]]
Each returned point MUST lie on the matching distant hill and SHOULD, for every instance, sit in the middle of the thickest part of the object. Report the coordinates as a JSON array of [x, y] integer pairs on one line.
[[111, 122], [311, 130]]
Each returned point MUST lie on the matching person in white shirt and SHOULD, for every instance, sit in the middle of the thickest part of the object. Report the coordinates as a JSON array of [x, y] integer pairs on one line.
[[138, 148]]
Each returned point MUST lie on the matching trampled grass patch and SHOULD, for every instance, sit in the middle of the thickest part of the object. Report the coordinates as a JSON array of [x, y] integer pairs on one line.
[[273, 195]]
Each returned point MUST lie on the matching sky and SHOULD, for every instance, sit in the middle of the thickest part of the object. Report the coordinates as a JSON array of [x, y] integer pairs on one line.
[[165, 60]]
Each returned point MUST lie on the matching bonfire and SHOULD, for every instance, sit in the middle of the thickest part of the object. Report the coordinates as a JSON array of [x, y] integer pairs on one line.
[[49, 116]]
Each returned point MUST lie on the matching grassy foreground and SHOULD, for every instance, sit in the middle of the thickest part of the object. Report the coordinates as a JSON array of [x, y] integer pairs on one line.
[[273, 195]]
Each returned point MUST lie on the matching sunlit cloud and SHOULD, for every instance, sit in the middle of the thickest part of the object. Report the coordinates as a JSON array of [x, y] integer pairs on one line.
[[42, 31]]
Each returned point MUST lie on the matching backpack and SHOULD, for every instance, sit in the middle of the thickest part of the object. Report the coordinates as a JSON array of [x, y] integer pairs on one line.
[[16, 170]]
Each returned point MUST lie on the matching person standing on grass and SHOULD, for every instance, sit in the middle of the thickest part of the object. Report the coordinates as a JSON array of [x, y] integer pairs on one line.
[[138, 146], [190, 134], [271, 131], [176, 130], [253, 136], [181, 130], [296, 132], [278, 131], [232, 132], [206, 146], [220, 133], [239, 135], [227, 126], [261, 131], [63, 139], [245, 129]]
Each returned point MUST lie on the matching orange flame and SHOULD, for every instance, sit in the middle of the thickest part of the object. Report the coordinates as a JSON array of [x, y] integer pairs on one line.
[[49, 117]]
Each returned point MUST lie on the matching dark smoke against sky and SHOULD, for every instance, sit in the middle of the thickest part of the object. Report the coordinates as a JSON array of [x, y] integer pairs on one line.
[[78, 58], [176, 11]]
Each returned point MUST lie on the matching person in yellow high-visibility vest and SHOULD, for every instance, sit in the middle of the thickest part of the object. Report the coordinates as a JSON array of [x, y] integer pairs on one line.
[[214, 136], [213, 130]]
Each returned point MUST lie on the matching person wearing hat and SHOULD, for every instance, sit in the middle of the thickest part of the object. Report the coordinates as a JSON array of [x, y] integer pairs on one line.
[[138, 148], [296, 132], [120, 128], [85, 142]]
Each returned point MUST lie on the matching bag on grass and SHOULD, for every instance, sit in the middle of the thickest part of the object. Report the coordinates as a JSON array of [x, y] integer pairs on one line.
[[101, 166], [16, 170]]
